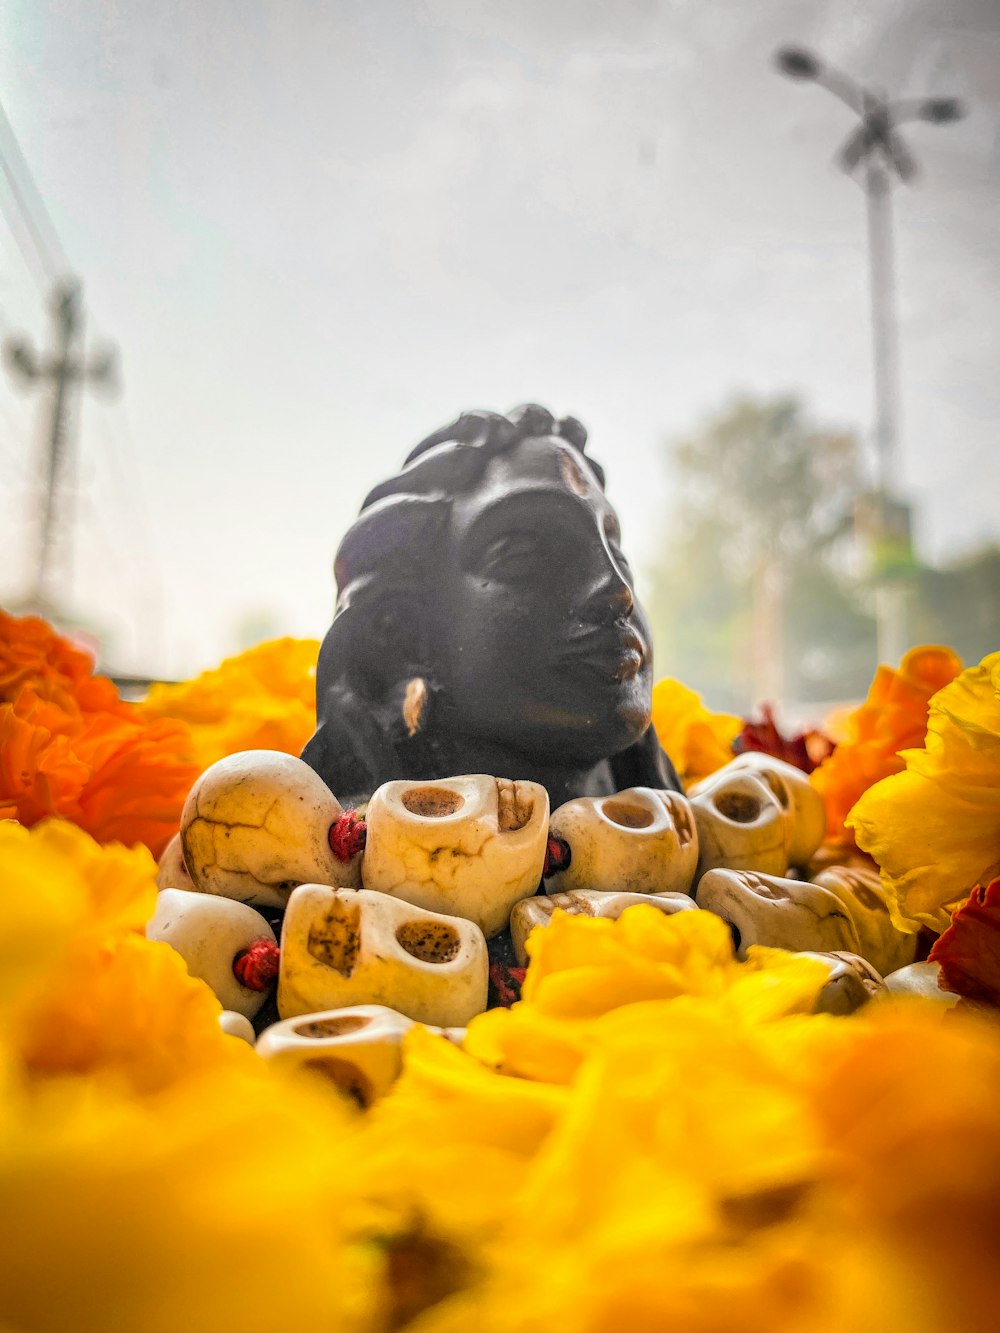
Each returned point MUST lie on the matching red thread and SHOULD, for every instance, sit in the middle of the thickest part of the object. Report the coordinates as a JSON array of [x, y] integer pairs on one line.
[[557, 855], [257, 967], [348, 835]]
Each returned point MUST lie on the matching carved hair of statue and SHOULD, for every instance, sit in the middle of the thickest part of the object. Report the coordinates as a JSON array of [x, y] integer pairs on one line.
[[486, 622]]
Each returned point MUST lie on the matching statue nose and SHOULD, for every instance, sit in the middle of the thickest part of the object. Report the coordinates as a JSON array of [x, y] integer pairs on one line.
[[612, 598]]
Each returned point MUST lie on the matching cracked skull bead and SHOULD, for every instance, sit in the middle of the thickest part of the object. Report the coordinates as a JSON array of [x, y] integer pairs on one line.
[[347, 947], [469, 846], [257, 824], [211, 934], [539, 911], [801, 802], [741, 825], [359, 1048], [780, 913], [637, 841]]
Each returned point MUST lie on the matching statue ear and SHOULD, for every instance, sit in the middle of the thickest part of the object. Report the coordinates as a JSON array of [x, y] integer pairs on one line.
[[645, 763]]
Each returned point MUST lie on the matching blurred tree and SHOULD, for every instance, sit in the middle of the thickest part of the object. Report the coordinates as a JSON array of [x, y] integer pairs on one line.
[[959, 604], [752, 600]]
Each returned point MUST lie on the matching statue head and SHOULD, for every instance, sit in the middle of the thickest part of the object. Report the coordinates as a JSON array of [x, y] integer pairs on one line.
[[486, 619]]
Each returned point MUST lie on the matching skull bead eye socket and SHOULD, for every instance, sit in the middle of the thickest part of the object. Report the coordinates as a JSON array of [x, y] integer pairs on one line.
[[739, 806], [429, 941], [627, 814], [333, 1027], [432, 802]]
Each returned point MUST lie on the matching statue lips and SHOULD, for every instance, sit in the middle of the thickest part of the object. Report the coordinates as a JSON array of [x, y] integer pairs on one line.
[[616, 651]]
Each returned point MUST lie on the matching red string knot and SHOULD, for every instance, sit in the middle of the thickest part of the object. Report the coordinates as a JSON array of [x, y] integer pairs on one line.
[[348, 835], [257, 967]]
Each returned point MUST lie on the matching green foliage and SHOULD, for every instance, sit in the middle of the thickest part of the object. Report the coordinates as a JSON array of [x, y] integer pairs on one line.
[[959, 604], [759, 486]]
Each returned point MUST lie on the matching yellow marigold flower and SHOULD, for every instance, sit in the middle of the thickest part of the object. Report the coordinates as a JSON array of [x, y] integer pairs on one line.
[[585, 969], [696, 739], [892, 718], [765, 1177], [84, 990], [449, 1141], [215, 1205], [935, 828], [262, 699], [58, 885]]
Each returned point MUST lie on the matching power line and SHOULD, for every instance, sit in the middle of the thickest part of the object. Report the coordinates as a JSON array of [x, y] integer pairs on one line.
[[33, 217]]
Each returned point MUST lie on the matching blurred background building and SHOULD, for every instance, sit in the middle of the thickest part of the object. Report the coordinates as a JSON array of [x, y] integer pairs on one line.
[[316, 231]]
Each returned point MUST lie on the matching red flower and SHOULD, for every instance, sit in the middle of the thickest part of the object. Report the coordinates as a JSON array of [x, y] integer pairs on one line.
[[969, 950]]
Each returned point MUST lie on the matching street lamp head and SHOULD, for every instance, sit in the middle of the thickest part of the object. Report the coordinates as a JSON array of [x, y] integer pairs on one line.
[[940, 110], [797, 62]]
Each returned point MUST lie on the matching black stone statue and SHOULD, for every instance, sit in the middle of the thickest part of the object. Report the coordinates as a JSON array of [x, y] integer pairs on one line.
[[486, 622]]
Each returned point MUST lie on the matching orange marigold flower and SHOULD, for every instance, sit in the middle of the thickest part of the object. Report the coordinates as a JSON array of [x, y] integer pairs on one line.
[[33, 655], [70, 746], [263, 699], [892, 718]]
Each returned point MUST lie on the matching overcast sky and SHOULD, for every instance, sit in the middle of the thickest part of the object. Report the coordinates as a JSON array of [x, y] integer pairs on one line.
[[316, 230]]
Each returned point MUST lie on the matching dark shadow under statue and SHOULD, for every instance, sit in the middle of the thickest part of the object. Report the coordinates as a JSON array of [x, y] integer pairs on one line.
[[486, 622]]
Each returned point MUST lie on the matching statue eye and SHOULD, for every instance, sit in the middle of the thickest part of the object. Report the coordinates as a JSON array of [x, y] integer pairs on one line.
[[512, 556]]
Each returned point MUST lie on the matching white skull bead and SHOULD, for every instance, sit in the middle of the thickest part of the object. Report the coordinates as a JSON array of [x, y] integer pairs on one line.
[[347, 947], [920, 979], [469, 846], [237, 1025], [539, 911], [638, 841], [210, 933], [798, 798], [256, 824], [860, 890], [171, 872], [741, 824], [779, 913], [359, 1048], [852, 982]]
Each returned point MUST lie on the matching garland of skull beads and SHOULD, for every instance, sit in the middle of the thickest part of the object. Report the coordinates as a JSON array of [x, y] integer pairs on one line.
[[388, 913]]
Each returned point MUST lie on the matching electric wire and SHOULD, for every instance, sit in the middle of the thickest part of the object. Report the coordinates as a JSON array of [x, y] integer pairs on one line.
[[50, 256]]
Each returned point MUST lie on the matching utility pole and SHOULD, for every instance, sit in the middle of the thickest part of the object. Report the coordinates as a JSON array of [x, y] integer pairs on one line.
[[876, 145], [63, 370]]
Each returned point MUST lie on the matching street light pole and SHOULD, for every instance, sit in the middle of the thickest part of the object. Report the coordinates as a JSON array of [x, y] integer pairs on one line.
[[878, 196], [876, 146]]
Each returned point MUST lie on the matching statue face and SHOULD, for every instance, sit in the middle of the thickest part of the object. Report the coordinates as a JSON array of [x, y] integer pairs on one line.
[[539, 642]]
